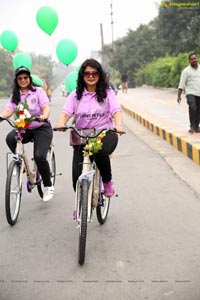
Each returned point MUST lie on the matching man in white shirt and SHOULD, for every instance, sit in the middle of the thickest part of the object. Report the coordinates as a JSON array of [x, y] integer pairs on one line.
[[190, 83]]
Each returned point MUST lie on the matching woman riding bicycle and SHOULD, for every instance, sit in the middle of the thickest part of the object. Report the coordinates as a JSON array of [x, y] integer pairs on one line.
[[39, 132], [94, 106]]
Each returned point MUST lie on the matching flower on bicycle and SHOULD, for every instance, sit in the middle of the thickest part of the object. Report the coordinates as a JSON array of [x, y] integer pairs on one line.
[[94, 144], [22, 116]]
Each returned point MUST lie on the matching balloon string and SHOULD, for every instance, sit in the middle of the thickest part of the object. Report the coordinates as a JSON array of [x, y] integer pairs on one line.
[[52, 42], [12, 54]]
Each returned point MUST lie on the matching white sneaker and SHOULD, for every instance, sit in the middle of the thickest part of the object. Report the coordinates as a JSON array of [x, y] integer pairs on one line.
[[48, 193]]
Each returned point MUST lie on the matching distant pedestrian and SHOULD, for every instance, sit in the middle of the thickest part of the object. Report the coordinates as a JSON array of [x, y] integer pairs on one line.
[[124, 82], [63, 90], [111, 83], [190, 84]]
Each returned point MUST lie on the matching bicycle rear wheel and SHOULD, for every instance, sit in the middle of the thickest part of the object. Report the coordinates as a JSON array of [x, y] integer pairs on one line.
[[103, 204], [83, 211], [52, 165], [13, 193]]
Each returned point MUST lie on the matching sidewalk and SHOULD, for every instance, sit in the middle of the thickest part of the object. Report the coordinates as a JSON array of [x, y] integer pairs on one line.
[[158, 110]]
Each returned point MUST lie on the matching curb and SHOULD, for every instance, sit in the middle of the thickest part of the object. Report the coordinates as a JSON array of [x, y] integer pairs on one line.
[[188, 146]]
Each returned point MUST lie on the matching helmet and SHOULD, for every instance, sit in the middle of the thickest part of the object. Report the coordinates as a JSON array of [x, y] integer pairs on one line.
[[22, 69]]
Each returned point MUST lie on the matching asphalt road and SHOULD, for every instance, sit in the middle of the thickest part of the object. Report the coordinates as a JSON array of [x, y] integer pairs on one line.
[[148, 249]]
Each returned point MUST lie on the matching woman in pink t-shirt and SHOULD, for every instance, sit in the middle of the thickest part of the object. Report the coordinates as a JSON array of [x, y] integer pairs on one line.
[[39, 132], [94, 105]]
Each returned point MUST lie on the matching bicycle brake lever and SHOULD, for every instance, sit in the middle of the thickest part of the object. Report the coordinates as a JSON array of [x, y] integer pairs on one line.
[[115, 130]]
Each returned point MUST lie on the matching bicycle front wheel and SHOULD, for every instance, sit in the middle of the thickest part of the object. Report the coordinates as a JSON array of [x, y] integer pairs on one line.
[[13, 193], [52, 165], [83, 211], [103, 205]]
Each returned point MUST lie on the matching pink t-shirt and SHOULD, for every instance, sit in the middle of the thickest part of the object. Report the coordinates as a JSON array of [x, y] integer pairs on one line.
[[35, 100], [89, 113]]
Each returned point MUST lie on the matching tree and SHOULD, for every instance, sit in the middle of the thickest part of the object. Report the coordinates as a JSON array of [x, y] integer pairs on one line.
[[6, 72], [135, 49], [173, 31], [178, 30], [43, 66]]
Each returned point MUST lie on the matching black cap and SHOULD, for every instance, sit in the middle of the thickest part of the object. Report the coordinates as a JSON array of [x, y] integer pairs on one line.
[[22, 69]]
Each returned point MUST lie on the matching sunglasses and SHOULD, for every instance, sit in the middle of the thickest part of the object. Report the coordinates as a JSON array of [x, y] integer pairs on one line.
[[22, 78], [93, 74]]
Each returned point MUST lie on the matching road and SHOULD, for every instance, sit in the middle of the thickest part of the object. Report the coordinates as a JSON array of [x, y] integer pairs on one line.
[[147, 250]]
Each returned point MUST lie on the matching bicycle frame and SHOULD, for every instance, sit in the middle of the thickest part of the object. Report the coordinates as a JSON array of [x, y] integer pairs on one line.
[[22, 157], [31, 174], [89, 172]]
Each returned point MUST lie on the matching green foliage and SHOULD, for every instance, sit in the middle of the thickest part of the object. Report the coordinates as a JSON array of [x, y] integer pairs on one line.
[[157, 72], [134, 50], [6, 72], [3, 83], [178, 30], [139, 76], [163, 72], [173, 33], [43, 66], [180, 62]]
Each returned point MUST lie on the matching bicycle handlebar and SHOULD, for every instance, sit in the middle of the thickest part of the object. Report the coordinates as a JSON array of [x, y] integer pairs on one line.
[[9, 121], [86, 136], [12, 123]]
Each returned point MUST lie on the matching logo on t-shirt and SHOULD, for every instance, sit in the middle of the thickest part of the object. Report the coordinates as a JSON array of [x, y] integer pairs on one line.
[[94, 116], [33, 101]]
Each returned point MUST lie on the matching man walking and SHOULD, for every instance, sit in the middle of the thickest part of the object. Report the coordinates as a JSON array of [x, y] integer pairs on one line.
[[124, 82], [190, 83]]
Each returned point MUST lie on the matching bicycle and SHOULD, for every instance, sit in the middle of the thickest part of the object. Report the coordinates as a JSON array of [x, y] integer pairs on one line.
[[19, 165], [89, 193]]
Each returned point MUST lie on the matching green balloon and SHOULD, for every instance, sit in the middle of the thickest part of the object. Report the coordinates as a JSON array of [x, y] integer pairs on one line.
[[22, 59], [47, 19], [71, 81], [36, 80], [9, 40], [66, 51]]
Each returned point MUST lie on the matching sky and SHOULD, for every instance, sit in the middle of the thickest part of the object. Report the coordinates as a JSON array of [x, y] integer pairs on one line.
[[78, 20]]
